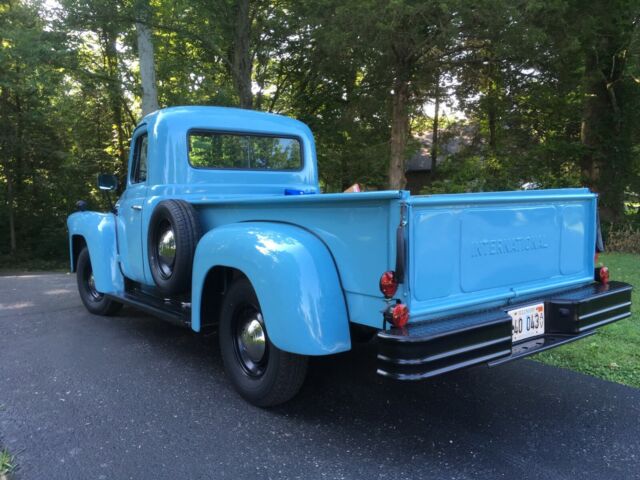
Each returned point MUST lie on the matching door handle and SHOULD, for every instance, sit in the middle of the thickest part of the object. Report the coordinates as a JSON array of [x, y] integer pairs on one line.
[[136, 207]]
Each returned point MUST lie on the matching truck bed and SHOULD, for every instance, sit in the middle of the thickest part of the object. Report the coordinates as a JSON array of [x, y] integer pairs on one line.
[[464, 251], [358, 229]]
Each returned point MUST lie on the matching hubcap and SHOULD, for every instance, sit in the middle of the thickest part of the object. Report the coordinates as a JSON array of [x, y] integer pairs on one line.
[[251, 342], [166, 250], [91, 286]]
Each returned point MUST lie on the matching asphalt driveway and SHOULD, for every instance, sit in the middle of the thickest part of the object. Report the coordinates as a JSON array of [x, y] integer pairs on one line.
[[84, 397]]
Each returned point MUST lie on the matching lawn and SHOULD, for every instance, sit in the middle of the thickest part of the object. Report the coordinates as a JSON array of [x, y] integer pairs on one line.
[[614, 352]]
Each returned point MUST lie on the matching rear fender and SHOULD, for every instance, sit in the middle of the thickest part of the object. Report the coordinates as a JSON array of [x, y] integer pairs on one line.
[[294, 277], [99, 233]]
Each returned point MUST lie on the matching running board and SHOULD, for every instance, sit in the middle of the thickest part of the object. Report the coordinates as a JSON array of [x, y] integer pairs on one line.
[[174, 312]]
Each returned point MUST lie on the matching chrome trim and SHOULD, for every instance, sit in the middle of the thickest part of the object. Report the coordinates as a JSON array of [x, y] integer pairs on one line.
[[604, 310], [252, 339], [440, 356], [167, 251], [604, 322]]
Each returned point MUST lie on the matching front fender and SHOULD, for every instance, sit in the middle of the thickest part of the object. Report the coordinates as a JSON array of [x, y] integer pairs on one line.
[[294, 277], [99, 233]]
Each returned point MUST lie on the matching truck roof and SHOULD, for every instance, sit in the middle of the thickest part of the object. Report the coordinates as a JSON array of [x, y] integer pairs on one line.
[[223, 118], [169, 128]]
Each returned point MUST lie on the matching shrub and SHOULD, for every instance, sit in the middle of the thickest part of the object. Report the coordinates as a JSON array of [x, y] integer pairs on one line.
[[623, 238]]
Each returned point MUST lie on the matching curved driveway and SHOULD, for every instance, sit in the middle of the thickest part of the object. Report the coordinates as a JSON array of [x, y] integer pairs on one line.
[[85, 397]]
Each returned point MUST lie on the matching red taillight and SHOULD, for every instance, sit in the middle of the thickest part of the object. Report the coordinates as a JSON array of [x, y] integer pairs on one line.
[[388, 284], [399, 315], [604, 275]]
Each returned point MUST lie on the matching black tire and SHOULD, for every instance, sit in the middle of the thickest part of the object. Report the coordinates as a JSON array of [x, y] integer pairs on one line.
[[176, 222], [93, 300], [278, 375]]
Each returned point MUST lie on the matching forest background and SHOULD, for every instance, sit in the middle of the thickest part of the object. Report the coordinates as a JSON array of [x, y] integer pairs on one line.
[[530, 94]]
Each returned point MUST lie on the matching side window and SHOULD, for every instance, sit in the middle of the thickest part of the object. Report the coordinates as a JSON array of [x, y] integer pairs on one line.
[[139, 167]]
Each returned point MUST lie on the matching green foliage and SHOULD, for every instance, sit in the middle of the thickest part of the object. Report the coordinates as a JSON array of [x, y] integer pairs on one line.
[[623, 238], [32, 146], [549, 89], [7, 464]]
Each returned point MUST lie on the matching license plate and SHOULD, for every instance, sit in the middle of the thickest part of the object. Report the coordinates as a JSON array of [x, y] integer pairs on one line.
[[527, 321]]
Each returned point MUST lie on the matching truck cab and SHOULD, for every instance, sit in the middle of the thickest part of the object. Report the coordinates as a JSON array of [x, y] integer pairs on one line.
[[222, 223]]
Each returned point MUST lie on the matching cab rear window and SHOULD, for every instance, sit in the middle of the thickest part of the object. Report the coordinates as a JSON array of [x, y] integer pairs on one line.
[[243, 151]]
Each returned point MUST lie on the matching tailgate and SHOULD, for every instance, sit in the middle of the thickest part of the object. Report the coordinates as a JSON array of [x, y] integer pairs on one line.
[[472, 250]]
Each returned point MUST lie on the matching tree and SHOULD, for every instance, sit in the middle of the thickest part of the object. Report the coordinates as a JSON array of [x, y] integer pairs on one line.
[[242, 61], [30, 144], [550, 92], [415, 37], [146, 57], [611, 100]]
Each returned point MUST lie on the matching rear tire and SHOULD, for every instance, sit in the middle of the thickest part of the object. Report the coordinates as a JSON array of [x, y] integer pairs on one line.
[[93, 300], [263, 374]]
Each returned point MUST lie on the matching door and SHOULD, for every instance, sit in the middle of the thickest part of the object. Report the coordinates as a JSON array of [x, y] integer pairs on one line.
[[130, 208]]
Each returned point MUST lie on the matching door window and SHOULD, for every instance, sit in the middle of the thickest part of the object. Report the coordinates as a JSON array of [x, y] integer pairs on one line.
[[139, 167]]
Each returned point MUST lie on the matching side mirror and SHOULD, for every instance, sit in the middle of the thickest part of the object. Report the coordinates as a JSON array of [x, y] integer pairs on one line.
[[107, 182]]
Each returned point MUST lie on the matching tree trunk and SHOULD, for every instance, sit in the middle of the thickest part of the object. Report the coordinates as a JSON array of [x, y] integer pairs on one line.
[[115, 95], [12, 225], [606, 162], [492, 105], [8, 143], [399, 132], [434, 133], [242, 65], [592, 110], [146, 58]]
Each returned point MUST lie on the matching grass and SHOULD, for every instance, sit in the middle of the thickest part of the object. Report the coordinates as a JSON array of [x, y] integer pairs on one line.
[[6, 463], [614, 352]]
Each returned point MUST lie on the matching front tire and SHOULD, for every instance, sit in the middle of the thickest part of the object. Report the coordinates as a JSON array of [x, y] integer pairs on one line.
[[263, 374], [93, 300]]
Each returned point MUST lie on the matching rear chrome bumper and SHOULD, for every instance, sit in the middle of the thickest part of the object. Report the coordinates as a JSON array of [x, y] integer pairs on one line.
[[426, 349]]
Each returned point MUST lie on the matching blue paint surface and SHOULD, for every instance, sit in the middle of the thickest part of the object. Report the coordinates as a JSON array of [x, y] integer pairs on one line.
[[99, 232], [495, 247], [315, 259], [294, 277]]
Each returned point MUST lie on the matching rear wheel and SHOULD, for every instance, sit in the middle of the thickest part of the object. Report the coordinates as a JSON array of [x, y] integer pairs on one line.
[[262, 373], [93, 300]]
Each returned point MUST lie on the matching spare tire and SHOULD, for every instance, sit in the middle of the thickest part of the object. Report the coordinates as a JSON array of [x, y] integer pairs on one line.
[[174, 231]]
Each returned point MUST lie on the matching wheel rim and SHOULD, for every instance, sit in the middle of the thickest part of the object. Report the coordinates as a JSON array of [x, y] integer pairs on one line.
[[166, 247], [250, 340], [90, 284]]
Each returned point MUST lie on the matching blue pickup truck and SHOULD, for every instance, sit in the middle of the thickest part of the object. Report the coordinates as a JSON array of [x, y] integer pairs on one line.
[[222, 224]]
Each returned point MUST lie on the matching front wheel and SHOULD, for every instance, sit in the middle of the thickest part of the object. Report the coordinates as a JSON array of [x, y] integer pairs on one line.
[[93, 300], [262, 373]]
